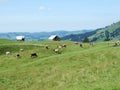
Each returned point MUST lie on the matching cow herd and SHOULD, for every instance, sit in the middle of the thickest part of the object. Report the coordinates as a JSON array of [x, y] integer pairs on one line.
[[57, 48], [117, 43], [114, 44], [18, 55]]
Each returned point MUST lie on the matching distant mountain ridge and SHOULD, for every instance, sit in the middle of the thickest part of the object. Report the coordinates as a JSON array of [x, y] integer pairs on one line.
[[107, 33], [40, 35]]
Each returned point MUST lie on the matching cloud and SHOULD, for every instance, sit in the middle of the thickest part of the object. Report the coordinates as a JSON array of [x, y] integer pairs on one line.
[[43, 8]]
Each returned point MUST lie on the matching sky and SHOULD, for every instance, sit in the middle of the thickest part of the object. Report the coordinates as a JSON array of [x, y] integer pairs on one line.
[[53, 15]]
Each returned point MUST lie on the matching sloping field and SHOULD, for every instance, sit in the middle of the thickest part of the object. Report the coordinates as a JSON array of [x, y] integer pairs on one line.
[[89, 68]]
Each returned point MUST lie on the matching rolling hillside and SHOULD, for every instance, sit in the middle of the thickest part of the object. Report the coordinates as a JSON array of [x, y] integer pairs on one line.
[[107, 33], [88, 68]]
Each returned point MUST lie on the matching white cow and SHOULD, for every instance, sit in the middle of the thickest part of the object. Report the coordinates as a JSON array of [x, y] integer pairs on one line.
[[8, 53]]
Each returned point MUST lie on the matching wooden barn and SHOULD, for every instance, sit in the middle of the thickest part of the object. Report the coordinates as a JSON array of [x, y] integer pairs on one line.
[[54, 38]]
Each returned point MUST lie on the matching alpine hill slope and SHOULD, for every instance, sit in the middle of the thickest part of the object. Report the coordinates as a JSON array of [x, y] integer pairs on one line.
[[75, 68], [102, 34]]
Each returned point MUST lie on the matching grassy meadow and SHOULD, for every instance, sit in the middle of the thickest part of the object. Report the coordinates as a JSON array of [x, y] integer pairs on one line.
[[89, 68]]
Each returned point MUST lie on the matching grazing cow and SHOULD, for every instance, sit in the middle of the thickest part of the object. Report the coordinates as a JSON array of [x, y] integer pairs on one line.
[[118, 42], [59, 46], [33, 55], [64, 45], [18, 55], [114, 44], [7, 53], [21, 50], [46, 46], [57, 51], [81, 45], [75, 42]]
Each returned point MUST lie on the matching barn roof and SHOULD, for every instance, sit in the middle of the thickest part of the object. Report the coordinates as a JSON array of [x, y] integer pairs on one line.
[[52, 37]]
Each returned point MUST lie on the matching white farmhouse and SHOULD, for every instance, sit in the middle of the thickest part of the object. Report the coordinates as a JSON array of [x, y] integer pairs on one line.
[[20, 38]]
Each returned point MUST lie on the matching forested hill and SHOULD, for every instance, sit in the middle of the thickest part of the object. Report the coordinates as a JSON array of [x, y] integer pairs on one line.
[[107, 33]]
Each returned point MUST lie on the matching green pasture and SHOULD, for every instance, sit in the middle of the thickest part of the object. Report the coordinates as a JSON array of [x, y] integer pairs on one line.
[[89, 68]]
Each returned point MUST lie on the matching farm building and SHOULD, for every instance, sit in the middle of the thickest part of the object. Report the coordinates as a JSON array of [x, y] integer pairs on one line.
[[20, 38], [54, 38]]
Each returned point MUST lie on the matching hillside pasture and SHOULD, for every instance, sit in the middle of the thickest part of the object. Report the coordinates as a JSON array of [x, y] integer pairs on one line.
[[89, 68]]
